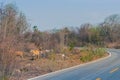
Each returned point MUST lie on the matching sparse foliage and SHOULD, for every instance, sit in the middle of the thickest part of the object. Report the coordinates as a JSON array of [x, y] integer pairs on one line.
[[12, 26]]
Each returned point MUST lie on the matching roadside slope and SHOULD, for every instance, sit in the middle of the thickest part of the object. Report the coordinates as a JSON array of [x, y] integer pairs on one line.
[[49, 76]]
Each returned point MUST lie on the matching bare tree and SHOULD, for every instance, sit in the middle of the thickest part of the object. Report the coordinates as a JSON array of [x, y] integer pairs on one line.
[[12, 27]]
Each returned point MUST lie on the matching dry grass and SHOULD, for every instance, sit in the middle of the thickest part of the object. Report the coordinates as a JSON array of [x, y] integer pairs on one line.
[[54, 62]]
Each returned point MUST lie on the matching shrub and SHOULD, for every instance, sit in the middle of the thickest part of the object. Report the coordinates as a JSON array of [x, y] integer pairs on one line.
[[89, 54]]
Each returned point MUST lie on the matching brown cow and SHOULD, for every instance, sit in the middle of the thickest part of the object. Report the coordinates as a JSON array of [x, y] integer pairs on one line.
[[19, 53], [35, 53]]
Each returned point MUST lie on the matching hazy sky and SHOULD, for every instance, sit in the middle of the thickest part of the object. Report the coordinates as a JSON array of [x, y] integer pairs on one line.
[[50, 14]]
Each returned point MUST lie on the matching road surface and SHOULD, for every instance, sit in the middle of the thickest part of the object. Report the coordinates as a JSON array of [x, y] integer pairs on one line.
[[107, 69]]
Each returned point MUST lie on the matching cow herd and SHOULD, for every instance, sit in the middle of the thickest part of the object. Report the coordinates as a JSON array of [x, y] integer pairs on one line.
[[34, 53]]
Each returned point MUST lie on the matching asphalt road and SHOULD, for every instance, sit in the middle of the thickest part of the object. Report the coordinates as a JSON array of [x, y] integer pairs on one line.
[[107, 69]]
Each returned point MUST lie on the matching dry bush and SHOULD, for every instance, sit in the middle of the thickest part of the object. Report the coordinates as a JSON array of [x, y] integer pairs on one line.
[[12, 26], [8, 59]]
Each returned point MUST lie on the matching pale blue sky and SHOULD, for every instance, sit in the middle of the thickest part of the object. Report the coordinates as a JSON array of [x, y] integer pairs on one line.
[[50, 14]]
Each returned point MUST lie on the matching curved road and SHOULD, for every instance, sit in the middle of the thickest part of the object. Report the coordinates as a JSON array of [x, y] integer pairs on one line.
[[107, 69]]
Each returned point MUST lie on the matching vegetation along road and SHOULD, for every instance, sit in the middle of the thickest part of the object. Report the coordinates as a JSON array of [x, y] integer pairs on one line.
[[107, 69]]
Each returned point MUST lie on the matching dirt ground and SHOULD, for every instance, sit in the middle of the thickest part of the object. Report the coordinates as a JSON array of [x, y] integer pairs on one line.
[[32, 68]]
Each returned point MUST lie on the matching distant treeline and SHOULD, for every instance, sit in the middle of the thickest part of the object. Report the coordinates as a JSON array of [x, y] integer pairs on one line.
[[105, 34], [14, 25]]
